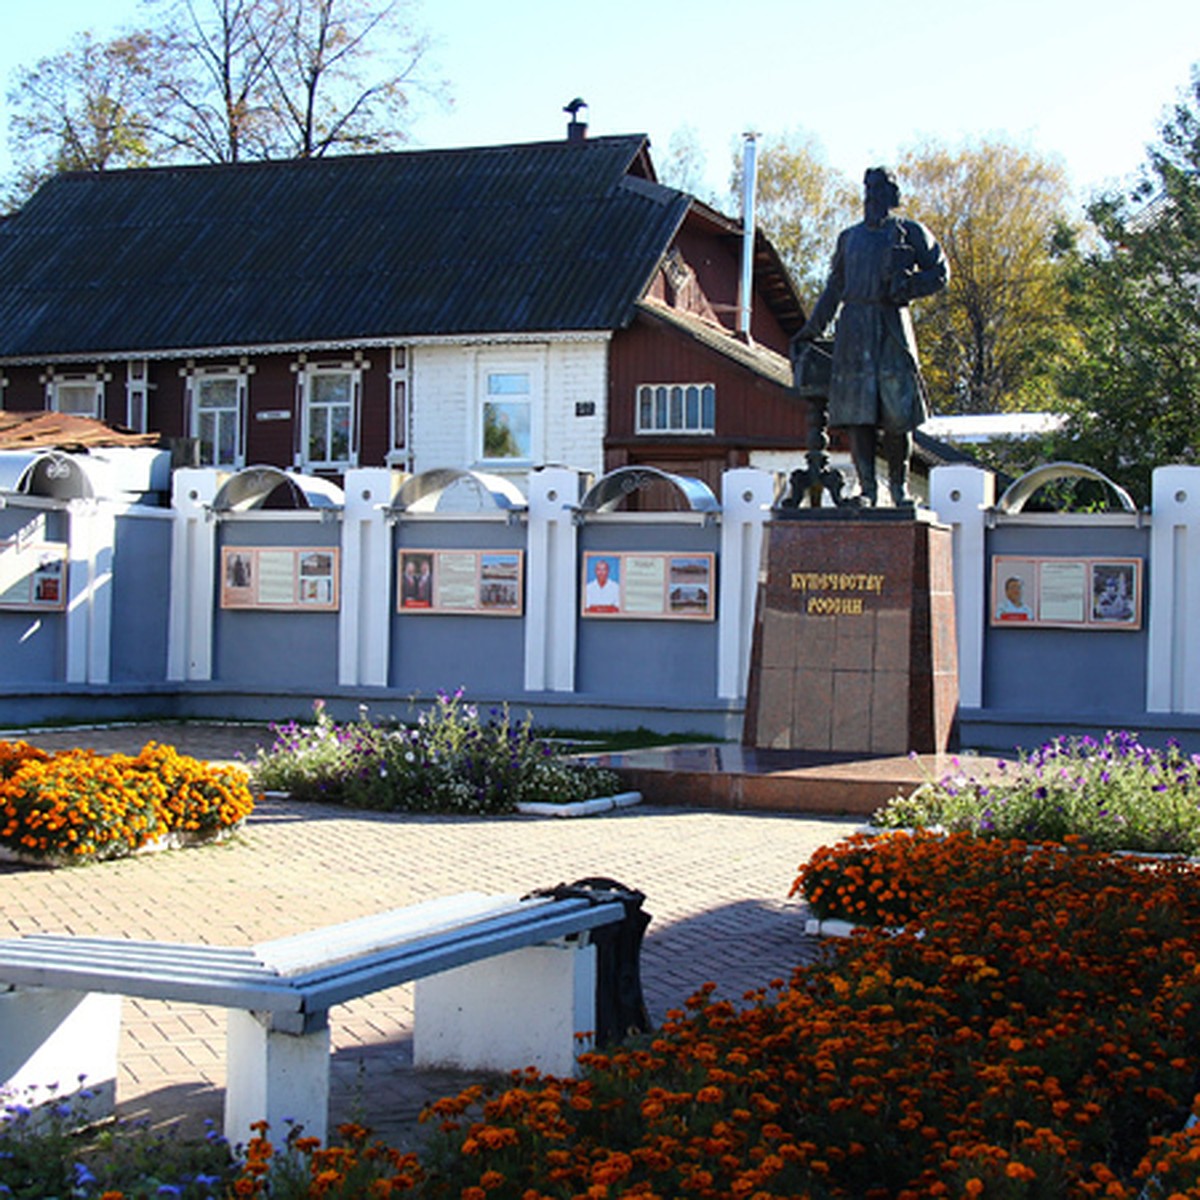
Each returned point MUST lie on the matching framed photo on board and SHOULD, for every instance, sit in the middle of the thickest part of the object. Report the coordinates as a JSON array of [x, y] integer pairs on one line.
[[1066, 593], [33, 575], [484, 582], [649, 586], [301, 578]]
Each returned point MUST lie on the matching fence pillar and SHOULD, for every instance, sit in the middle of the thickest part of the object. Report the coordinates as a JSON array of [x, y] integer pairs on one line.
[[364, 624], [961, 496], [193, 574], [1173, 652], [552, 581], [746, 498], [92, 536]]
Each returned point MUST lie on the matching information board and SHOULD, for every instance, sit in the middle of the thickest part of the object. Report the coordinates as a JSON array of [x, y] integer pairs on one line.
[[33, 575], [484, 582], [1066, 593], [649, 586], [303, 578]]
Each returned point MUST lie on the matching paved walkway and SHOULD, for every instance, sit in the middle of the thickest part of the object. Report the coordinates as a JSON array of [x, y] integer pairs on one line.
[[716, 885]]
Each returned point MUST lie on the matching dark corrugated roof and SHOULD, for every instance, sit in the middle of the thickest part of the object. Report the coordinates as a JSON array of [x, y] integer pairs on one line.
[[553, 236]]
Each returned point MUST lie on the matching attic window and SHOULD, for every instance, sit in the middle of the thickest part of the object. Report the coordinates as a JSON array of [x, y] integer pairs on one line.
[[676, 408]]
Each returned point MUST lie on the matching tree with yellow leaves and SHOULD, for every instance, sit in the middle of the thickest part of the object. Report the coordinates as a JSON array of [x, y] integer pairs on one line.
[[992, 340]]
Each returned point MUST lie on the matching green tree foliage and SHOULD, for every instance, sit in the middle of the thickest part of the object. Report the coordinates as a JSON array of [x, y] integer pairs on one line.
[[1134, 395], [802, 204], [220, 81], [89, 108], [993, 339]]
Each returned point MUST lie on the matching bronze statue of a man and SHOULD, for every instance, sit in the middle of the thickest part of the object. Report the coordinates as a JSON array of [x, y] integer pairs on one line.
[[879, 265]]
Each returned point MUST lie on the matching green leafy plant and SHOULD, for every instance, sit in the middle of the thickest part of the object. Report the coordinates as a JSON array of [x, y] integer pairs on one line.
[[49, 1147], [451, 759], [1114, 793]]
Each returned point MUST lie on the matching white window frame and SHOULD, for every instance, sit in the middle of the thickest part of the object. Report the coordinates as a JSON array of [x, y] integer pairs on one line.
[[219, 375], [137, 395], [670, 413], [94, 381], [494, 367], [399, 393], [308, 375]]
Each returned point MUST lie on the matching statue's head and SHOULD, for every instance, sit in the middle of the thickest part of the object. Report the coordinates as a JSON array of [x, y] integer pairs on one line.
[[880, 189]]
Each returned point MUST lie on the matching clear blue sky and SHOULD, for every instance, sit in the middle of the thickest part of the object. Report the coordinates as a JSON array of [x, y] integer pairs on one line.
[[1087, 81]]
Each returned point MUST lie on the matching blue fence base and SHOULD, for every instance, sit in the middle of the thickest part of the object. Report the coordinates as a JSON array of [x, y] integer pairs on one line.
[[39, 705], [1002, 731]]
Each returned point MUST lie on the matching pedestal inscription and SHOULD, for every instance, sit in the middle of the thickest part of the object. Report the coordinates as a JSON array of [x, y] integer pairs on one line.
[[854, 644]]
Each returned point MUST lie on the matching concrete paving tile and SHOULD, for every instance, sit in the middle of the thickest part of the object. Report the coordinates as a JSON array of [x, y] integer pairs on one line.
[[715, 882]]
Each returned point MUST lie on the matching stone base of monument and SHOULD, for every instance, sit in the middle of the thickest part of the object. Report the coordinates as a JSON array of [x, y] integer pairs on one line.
[[854, 644]]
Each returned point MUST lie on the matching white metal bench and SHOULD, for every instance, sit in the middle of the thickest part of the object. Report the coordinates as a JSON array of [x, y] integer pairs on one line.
[[501, 983]]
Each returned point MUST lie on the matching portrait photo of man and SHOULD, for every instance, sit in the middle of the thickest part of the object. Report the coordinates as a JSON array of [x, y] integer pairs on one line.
[[602, 590], [416, 580], [1012, 605]]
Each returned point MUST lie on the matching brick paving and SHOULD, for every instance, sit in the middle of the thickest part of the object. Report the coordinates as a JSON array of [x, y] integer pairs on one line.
[[715, 883]]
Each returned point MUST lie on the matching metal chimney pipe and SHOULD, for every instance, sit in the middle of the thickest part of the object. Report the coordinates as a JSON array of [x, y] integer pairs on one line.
[[749, 187]]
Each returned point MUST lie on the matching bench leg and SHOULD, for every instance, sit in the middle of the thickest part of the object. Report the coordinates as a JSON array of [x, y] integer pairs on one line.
[[521, 1009], [281, 1078], [49, 1038]]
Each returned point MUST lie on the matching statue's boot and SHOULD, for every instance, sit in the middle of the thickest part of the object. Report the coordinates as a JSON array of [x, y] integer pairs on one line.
[[897, 451], [862, 452]]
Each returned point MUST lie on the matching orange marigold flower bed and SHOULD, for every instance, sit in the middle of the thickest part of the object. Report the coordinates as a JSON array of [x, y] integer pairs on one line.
[[80, 806], [1029, 1026]]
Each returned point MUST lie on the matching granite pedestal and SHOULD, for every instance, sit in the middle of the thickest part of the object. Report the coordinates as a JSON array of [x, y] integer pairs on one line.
[[854, 642]]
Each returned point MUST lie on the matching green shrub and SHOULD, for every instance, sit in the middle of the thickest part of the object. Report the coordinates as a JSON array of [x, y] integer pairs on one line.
[[1114, 794], [48, 1149], [450, 760]]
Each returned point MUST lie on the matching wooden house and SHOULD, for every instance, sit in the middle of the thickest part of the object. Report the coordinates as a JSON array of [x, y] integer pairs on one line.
[[496, 308]]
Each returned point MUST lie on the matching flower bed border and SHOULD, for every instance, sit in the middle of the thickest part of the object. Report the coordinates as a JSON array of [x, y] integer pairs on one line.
[[174, 840], [579, 808], [543, 808]]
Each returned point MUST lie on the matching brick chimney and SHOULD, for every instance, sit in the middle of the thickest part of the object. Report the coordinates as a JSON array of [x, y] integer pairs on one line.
[[577, 129]]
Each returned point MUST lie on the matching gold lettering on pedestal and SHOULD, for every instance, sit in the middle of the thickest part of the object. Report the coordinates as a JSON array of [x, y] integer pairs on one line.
[[838, 606], [818, 586]]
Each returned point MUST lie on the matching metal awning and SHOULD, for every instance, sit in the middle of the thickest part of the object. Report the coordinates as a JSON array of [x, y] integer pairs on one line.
[[269, 487], [608, 492]]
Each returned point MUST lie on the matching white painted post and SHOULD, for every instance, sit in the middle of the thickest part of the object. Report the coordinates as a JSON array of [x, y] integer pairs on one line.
[[552, 597], [280, 1078], [364, 627], [53, 1037], [746, 498], [961, 496], [534, 1007], [1173, 653], [92, 536], [193, 574]]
